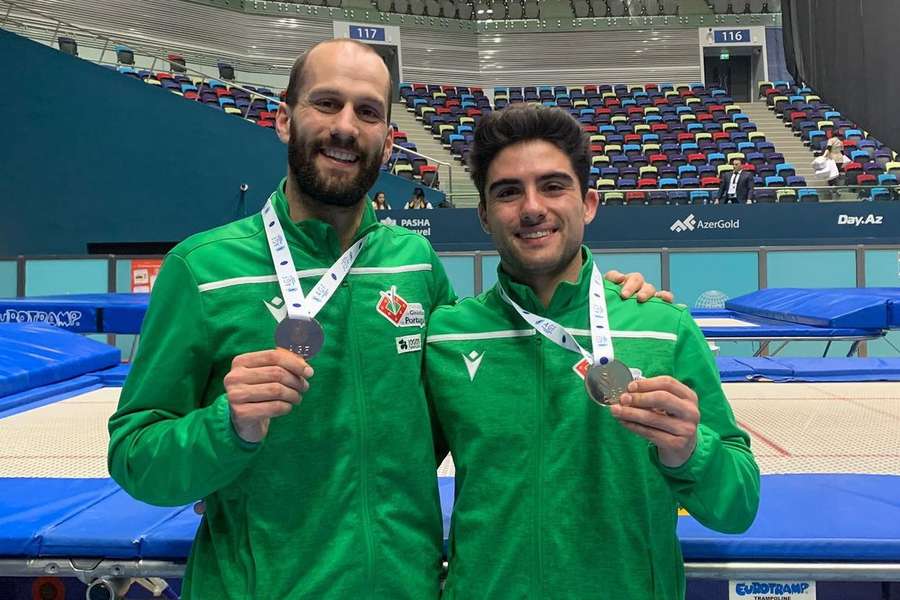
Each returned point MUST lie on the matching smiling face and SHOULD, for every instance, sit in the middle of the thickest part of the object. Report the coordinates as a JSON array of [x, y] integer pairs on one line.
[[535, 212], [337, 131]]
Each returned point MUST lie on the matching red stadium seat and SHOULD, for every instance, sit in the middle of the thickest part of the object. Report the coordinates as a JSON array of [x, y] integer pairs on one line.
[[635, 197]]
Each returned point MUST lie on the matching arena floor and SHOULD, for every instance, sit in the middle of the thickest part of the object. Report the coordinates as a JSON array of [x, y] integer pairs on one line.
[[795, 428]]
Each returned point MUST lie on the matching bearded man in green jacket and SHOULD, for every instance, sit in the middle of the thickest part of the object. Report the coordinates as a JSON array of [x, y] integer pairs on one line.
[[559, 496], [336, 498]]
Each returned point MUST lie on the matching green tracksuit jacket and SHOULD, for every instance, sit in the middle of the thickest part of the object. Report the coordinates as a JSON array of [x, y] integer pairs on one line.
[[340, 499], [554, 498]]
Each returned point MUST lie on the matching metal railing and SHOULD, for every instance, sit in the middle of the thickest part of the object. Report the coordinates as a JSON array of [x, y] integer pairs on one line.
[[399, 149], [158, 55]]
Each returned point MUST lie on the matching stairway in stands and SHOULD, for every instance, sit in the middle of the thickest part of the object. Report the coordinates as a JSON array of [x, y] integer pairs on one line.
[[784, 139], [464, 192]]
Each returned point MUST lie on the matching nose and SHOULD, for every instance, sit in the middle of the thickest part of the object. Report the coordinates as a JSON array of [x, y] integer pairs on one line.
[[344, 127], [532, 210]]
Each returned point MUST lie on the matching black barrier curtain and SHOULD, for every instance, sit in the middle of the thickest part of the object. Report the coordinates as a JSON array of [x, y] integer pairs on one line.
[[847, 51]]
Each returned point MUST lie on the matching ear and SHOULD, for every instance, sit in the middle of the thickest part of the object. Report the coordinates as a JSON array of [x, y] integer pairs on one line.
[[482, 216], [591, 201], [388, 146], [283, 123]]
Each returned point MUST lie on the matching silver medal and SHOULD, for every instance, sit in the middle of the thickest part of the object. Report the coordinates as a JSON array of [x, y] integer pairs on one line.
[[301, 336], [605, 383]]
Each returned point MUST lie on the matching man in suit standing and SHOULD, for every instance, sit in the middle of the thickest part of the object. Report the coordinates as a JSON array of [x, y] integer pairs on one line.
[[737, 186]]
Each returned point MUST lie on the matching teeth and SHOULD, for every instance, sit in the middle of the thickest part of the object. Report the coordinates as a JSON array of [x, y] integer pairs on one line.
[[535, 234], [339, 154]]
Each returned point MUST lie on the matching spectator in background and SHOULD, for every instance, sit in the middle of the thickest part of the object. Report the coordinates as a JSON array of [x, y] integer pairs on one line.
[[737, 186], [830, 164], [418, 200], [380, 202]]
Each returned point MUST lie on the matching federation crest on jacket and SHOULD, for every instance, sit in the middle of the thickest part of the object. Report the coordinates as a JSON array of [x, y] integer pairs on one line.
[[396, 309]]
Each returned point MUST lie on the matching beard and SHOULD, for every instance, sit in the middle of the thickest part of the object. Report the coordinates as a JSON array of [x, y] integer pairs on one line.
[[331, 190]]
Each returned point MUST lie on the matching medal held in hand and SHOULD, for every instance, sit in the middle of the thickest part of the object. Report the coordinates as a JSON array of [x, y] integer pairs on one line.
[[606, 383], [607, 378], [301, 336], [299, 331]]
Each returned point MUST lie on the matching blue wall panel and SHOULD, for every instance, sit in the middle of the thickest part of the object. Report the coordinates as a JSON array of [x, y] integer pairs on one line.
[[883, 270], [66, 276], [7, 278], [693, 274], [489, 270], [461, 271], [712, 277], [812, 269], [646, 263]]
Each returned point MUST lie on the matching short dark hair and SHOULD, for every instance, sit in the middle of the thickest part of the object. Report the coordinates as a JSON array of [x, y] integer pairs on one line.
[[522, 123], [295, 83]]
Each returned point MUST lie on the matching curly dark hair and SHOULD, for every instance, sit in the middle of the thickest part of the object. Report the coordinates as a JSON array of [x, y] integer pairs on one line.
[[522, 123]]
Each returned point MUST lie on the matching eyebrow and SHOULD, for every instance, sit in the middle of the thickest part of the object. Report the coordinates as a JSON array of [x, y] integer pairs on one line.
[[379, 102], [559, 175]]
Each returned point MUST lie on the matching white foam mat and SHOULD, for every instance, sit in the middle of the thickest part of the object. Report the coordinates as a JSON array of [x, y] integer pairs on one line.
[[723, 322], [795, 428], [814, 427], [63, 439]]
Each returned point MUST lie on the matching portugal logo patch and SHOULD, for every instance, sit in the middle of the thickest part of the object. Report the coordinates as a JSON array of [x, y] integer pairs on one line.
[[398, 311], [581, 367]]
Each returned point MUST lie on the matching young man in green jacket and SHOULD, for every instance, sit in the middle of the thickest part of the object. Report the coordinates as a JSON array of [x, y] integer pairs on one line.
[[335, 498], [559, 496]]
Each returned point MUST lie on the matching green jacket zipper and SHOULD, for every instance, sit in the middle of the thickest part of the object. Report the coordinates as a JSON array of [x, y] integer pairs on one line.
[[538, 577], [363, 450]]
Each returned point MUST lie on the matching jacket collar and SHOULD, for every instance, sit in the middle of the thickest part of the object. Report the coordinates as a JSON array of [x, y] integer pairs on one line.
[[567, 293], [316, 237]]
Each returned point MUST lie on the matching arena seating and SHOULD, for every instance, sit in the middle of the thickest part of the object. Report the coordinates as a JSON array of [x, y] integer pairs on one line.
[[214, 93], [643, 137], [815, 122], [258, 105]]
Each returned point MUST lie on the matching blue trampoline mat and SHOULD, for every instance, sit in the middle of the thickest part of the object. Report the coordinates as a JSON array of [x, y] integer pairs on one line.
[[831, 369], [765, 327], [801, 518], [864, 308], [34, 355], [80, 313]]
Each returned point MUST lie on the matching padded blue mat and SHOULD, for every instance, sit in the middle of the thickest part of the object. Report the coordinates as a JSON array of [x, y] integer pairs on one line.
[[810, 517], [80, 313], [864, 308], [767, 328], [736, 369], [35, 355], [801, 518], [48, 394], [114, 377]]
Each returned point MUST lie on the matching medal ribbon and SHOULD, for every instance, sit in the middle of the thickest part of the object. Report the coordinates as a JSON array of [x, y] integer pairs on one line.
[[601, 338], [298, 306]]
